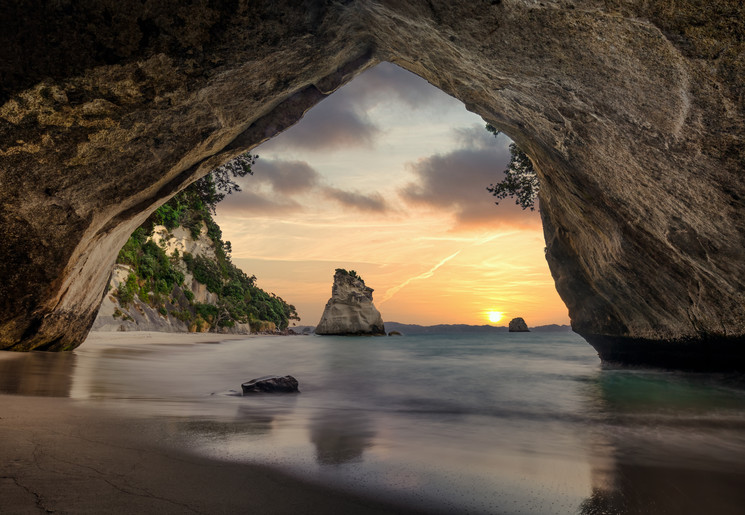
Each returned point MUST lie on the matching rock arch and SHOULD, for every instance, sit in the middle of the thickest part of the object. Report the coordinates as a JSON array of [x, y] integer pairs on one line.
[[633, 112]]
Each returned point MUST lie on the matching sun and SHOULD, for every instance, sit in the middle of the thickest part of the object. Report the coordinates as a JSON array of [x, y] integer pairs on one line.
[[494, 316]]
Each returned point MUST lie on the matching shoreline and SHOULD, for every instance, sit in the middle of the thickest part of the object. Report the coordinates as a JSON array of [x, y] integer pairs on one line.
[[121, 427], [61, 456], [159, 338]]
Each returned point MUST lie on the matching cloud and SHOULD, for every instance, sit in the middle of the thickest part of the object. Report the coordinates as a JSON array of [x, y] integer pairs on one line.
[[285, 177], [253, 203], [370, 203], [426, 275], [279, 187], [387, 82], [457, 181], [332, 124], [341, 120], [477, 137]]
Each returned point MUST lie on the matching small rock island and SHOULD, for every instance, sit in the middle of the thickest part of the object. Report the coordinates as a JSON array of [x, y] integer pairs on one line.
[[518, 325], [350, 310]]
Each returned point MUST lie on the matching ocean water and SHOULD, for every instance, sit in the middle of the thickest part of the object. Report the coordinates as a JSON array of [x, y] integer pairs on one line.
[[503, 423]]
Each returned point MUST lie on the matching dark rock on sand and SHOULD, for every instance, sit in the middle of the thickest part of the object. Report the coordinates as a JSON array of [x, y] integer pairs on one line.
[[518, 325], [271, 384]]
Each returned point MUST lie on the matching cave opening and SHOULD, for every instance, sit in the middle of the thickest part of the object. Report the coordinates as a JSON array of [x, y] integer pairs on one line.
[[388, 176], [633, 114], [606, 103]]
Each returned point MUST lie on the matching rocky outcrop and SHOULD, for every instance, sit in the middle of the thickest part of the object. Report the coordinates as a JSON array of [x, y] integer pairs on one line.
[[176, 313], [136, 315], [518, 325], [633, 113], [271, 384], [350, 310]]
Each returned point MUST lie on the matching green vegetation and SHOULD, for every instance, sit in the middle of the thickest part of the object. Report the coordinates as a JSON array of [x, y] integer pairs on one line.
[[520, 179], [351, 273], [156, 277], [118, 314]]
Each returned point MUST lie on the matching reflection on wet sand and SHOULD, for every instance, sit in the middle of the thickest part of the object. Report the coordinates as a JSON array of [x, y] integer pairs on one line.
[[341, 432], [111, 372], [639, 488], [678, 453], [473, 429], [247, 422], [43, 374], [341, 436]]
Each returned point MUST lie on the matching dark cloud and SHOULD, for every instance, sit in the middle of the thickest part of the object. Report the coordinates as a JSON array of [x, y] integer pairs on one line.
[[370, 203], [285, 177], [275, 185], [341, 120], [457, 182], [331, 124]]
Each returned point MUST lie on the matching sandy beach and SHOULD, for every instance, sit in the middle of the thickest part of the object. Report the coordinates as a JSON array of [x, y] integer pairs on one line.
[[155, 423], [59, 455], [153, 337]]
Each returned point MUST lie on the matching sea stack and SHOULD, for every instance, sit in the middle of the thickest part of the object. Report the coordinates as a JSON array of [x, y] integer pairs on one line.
[[518, 325], [350, 310]]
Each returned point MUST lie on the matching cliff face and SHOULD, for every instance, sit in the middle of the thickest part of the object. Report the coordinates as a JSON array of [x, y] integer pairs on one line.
[[633, 112], [350, 310], [178, 310]]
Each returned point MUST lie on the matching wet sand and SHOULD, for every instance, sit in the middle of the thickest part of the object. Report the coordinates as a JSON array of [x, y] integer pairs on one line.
[[144, 423], [154, 337], [58, 456]]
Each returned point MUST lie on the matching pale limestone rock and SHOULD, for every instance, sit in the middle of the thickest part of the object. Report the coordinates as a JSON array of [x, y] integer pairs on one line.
[[180, 239], [350, 310], [138, 315]]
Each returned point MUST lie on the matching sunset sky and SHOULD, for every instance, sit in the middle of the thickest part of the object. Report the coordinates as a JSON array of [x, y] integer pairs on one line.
[[387, 176]]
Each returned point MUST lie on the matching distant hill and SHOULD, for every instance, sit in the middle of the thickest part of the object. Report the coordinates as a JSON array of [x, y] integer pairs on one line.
[[552, 328], [442, 328], [464, 328], [449, 328]]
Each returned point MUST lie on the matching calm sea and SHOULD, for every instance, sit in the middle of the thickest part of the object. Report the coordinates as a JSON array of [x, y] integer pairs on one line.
[[502, 423]]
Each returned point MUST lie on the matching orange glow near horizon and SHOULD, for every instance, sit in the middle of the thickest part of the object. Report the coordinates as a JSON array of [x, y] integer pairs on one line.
[[511, 274], [391, 183]]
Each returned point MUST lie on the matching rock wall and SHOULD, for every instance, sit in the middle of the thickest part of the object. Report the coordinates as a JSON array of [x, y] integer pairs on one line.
[[350, 310], [633, 113], [180, 239], [137, 315]]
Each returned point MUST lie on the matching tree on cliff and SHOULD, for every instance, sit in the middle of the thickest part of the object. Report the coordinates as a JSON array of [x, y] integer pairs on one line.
[[520, 179], [213, 187], [197, 202], [351, 273], [154, 274]]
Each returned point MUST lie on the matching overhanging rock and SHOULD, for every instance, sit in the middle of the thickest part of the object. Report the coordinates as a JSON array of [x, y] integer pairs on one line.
[[632, 112]]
